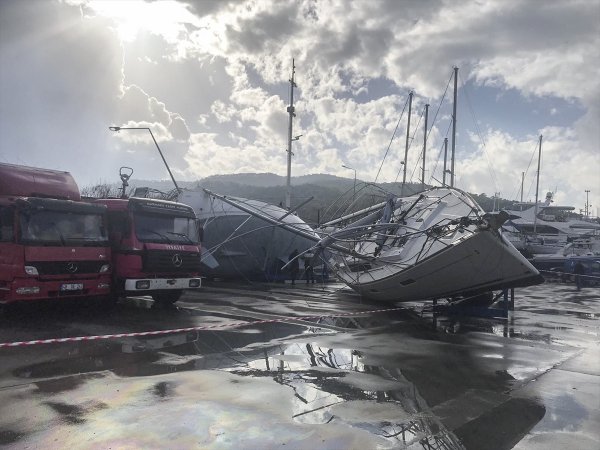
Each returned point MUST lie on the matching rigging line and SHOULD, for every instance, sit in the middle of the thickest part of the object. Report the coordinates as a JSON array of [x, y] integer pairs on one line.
[[412, 139], [487, 157], [530, 187], [533, 153], [440, 105], [391, 140], [336, 202], [440, 153], [342, 209]]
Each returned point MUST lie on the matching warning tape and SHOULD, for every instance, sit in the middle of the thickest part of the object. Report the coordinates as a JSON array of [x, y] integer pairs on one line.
[[182, 330], [554, 272]]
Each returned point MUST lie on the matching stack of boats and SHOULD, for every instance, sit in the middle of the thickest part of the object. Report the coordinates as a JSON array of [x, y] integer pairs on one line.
[[437, 244], [553, 236]]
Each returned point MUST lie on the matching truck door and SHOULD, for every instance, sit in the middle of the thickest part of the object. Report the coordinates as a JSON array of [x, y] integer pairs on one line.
[[9, 251], [118, 227]]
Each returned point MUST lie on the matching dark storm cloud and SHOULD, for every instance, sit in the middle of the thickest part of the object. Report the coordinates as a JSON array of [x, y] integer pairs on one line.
[[59, 83], [203, 8], [266, 29]]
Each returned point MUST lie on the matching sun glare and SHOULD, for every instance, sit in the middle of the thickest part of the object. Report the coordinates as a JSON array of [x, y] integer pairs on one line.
[[166, 18]]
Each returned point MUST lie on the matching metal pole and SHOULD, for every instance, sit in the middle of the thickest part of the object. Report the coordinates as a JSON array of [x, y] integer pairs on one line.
[[587, 203], [537, 187], [453, 128], [522, 182], [424, 146], [410, 97], [292, 114], [155, 143], [445, 161], [163, 158]]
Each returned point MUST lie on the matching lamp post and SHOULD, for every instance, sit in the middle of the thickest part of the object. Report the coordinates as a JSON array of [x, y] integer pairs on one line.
[[354, 190], [155, 143]]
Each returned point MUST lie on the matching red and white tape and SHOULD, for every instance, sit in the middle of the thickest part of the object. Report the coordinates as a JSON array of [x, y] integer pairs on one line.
[[182, 330]]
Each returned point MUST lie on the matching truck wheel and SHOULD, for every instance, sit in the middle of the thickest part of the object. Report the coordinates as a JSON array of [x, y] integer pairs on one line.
[[167, 298]]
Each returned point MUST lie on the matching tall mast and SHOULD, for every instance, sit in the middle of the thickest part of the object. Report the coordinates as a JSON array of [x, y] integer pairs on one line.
[[424, 146], [453, 128], [410, 97], [522, 183], [292, 114], [537, 186], [445, 161]]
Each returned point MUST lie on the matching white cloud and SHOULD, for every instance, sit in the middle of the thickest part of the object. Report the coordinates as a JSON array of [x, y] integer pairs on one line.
[[209, 78]]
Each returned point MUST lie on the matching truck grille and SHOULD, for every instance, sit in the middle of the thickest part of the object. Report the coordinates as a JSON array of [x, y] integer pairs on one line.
[[66, 267], [170, 261]]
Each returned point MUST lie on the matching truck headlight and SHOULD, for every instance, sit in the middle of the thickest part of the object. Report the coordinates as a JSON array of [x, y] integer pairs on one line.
[[194, 282], [28, 290], [104, 268], [31, 270], [142, 284]]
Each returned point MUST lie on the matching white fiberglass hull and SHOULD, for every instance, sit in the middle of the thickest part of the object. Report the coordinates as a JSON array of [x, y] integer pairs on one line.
[[439, 243], [245, 247], [483, 262]]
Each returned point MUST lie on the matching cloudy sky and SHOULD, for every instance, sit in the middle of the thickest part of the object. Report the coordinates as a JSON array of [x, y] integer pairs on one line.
[[210, 78]]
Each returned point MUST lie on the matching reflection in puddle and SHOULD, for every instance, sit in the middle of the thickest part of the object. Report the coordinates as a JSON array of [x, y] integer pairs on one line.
[[335, 386], [372, 380]]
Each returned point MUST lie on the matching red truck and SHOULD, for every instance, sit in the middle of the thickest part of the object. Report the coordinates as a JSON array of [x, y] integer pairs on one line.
[[52, 245], [155, 247]]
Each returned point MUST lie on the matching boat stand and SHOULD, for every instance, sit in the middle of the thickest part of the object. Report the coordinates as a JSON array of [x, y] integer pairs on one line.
[[497, 309]]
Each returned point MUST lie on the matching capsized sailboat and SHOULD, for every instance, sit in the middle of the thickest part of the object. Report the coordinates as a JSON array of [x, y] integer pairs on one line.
[[435, 244], [239, 245]]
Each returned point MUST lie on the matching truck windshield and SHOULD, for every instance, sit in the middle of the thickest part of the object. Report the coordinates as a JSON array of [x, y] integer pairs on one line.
[[62, 228], [165, 228]]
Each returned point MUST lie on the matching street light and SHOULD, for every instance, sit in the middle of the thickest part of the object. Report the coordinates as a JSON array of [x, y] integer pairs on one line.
[[117, 129], [354, 191]]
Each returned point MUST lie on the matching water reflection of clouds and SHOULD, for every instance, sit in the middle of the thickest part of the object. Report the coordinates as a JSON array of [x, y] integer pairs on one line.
[[563, 413], [335, 386]]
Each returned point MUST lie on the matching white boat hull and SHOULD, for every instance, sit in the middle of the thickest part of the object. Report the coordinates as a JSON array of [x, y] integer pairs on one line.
[[483, 262], [245, 247]]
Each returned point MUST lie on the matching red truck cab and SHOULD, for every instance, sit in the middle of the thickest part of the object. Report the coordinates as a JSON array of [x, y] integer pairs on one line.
[[155, 247], [52, 245]]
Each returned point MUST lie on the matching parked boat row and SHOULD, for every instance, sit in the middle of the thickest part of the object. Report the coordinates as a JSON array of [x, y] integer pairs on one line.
[[548, 231]]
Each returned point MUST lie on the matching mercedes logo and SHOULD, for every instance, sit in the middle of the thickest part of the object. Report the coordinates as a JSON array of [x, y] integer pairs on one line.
[[177, 260], [72, 267]]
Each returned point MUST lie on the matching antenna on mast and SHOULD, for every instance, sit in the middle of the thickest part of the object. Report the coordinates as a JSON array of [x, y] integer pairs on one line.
[[291, 111], [453, 128], [537, 187], [405, 162]]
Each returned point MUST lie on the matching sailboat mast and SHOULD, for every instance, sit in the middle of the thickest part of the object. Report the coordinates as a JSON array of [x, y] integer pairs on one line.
[[424, 146], [522, 183], [292, 114], [453, 128], [445, 161], [410, 97], [537, 186]]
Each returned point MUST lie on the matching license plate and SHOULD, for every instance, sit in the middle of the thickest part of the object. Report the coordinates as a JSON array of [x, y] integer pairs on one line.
[[71, 287]]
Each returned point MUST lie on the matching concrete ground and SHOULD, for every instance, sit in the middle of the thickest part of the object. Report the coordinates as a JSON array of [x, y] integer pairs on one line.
[[295, 377]]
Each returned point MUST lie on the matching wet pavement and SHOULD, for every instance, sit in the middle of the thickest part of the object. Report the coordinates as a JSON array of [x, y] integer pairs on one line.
[[395, 379]]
